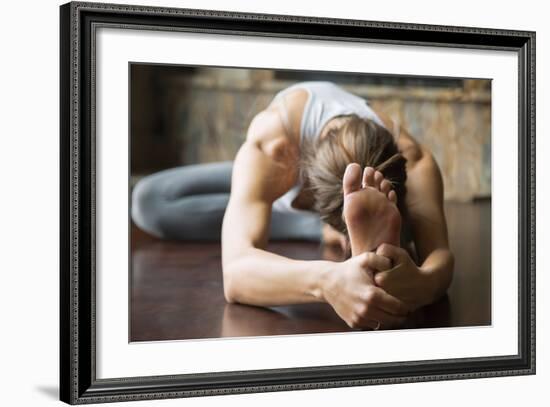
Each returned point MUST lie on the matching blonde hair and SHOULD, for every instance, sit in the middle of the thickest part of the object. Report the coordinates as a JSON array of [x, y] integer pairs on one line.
[[325, 159]]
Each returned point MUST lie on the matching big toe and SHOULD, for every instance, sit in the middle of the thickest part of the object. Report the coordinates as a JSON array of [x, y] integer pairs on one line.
[[352, 178]]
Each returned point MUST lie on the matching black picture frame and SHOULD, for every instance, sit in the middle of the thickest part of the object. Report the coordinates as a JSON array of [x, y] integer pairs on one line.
[[78, 382]]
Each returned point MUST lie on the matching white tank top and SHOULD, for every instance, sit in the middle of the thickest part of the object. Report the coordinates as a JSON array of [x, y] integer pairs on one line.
[[325, 101]]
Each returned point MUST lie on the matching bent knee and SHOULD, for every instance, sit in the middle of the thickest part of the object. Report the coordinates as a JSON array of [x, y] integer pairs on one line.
[[145, 208]]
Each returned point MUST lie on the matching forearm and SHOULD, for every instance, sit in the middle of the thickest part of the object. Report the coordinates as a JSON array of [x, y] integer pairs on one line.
[[258, 277], [438, 270]]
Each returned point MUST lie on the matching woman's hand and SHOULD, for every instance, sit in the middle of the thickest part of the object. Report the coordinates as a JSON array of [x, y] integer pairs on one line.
[[350, 289], [403, 279]]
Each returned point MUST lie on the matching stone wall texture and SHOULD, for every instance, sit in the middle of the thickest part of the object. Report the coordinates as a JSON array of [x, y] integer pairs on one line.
[[207, 112]]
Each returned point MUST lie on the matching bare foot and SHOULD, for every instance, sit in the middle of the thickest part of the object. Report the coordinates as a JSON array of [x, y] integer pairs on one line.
[[370, 210]]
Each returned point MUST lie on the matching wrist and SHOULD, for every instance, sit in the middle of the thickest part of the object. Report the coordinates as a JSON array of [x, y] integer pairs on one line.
[[325, 273]]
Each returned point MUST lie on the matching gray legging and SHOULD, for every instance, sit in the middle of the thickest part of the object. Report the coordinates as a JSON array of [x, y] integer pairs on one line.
[[188, 203]]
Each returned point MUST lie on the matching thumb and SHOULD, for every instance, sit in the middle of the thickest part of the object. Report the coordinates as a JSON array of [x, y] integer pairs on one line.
[[394, 253], [374, 261]]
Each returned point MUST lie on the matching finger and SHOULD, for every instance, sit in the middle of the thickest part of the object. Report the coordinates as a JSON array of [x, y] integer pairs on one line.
[[386, 320], [390, 251], [392, 196], [381, 278], [386, 302], [352, 178], [385, 187], [368, 177], [375, 261], [378, 178]]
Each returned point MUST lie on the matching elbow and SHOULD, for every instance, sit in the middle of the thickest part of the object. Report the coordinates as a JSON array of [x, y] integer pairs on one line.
[[230, 287], [442, 275], [236, 278], [451, 266]]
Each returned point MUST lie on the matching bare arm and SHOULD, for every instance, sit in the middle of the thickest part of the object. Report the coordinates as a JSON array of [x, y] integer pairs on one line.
[[425, 205], [264, 170], [424, 284], [420, 285]]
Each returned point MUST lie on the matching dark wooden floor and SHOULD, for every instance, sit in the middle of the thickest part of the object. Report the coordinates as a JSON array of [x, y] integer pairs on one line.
[[176, 288]]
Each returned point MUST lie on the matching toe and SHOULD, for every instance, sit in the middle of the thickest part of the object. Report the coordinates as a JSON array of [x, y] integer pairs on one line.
[[385, 187], [378, 178], [352, 178], [368, 177], [392, 196]]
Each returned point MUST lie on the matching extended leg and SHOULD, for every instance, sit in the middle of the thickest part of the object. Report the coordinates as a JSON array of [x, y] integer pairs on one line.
[[184, 203], [189, 202]]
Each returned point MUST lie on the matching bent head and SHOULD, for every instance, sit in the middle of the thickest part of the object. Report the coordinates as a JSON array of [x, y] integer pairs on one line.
[[351, 140]]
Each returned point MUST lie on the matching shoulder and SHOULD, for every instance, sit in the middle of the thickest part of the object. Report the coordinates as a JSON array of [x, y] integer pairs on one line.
[[411, 149], [422, 167], [424, 183], [407, 145], [267, 133], [267, 154], [425, 163], [269, 129]]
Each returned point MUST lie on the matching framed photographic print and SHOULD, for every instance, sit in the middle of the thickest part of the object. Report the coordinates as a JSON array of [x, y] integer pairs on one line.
[[255, 203]]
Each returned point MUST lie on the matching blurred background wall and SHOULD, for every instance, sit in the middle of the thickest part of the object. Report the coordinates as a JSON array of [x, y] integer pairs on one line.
[[186, 115]]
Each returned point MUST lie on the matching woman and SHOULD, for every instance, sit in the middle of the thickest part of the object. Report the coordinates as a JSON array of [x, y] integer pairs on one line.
[[318, 161]]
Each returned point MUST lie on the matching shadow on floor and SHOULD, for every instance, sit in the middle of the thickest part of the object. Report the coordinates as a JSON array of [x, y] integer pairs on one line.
[[50, 391]]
